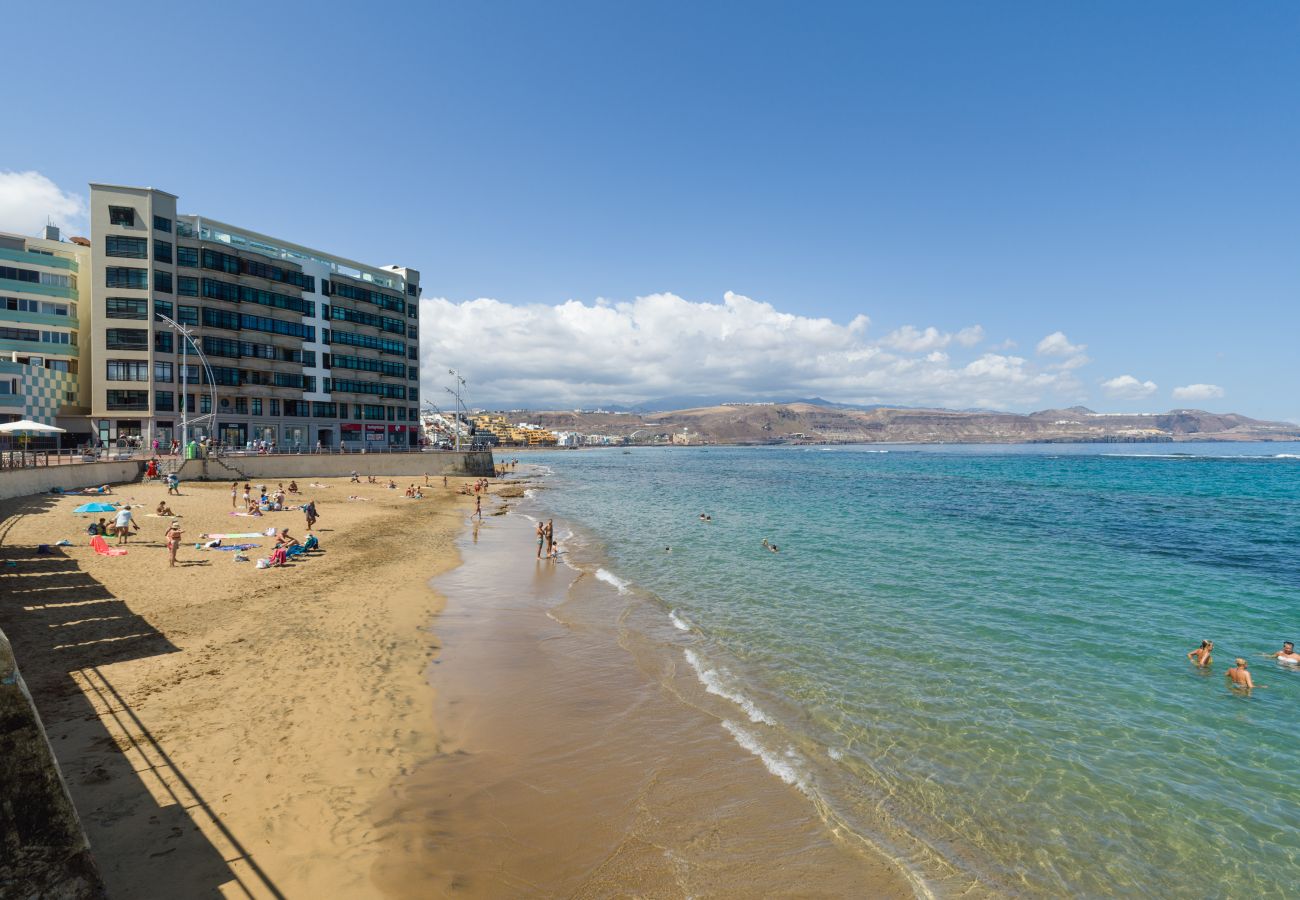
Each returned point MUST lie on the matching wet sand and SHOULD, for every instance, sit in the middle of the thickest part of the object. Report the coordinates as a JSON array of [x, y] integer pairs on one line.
[[576, 758], [227, 731]]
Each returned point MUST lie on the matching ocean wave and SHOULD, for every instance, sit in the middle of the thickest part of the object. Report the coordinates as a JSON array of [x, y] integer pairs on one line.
[[713, 683], [835, 753], [678, 622], [785, 768], [610, 578], [530, 493]]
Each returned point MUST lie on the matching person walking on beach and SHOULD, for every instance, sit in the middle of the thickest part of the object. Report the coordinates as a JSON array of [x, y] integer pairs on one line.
[[478, 508], [541, 538], [173, 537], [1239, 675], [1201, 655], [1287, 654], [309, 510], [124, 524]]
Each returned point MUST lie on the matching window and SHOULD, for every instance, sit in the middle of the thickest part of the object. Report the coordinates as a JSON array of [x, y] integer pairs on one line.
[[412, 311], [352, 292], [126, 308], [412, 353], [187, 286], [321, 410], [205, 404], [162, 281], [187, 315], [275, 407], [413, 373], [22, 304], [227, 375], [162, 342], [163, 400], [162, 308], [121, 215], [127, 338], [13, 274], [128, 400], [220, 318], [128, 247], [257, 406], [162, 371], [162, 251], [241, 406], [383, 345], [161, 224], [220, 262], [412, 332], [126, 370], [126, 277], [187, 256]]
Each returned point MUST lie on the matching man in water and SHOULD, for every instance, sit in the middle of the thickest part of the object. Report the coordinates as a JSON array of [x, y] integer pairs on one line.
[[1287, 654], [1239, 675], [1201, 655]]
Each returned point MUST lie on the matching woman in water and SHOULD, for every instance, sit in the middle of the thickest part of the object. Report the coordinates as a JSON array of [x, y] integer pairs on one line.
[[1201, 655]]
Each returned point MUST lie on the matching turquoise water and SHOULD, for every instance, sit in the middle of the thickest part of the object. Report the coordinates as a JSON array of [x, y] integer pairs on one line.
[[974, 656]]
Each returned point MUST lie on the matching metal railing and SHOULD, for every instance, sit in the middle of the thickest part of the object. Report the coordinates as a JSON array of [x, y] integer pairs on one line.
[[28, 459]]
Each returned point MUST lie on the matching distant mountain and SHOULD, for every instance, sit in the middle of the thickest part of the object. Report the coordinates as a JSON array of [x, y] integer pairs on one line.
[[821, 422]]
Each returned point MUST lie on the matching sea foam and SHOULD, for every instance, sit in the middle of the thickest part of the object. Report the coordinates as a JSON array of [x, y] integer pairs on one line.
[[678, 622], [783, 768], [610, 578], [714, 684]]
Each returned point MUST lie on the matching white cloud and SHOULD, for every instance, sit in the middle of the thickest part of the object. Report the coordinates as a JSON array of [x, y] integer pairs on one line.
[[661, 345], [1058, 345], [1126, 387], [1198, 392], [910, 339], [28, 200]]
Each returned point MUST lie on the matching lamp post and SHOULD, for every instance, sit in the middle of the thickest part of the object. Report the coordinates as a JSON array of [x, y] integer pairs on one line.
[[187, 340], [459, 382]]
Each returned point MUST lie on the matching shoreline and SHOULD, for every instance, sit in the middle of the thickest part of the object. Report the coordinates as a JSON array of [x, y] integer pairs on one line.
[[222, 727], [581, 755]]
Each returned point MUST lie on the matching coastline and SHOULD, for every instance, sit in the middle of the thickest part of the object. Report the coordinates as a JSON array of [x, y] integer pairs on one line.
[[580, 755], [219, 724]]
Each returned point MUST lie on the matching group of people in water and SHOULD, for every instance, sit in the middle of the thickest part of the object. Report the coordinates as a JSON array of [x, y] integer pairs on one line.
[[1239, 674]]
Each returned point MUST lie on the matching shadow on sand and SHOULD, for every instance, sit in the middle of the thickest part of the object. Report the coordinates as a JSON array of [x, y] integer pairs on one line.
[[151, 833]]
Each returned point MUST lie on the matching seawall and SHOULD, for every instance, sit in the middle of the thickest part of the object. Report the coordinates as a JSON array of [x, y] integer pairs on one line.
[[43, 850], [39, 479], [478, 463]]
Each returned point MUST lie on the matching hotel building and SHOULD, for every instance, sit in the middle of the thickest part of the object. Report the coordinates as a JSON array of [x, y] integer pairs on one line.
[[40, 303], [302, 346]]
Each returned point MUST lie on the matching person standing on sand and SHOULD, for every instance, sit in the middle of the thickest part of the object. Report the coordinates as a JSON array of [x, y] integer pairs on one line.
[[173, 538], [444, 481], [541, 538], [234, 495], [1201, 655], [550, 536], [309, 510], [124, 524], [478, 508], [1239, 675]]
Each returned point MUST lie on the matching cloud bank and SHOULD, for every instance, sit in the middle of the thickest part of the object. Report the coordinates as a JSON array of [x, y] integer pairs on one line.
[[1198, 392], [1126, 387], [581, 354], [28, 200]]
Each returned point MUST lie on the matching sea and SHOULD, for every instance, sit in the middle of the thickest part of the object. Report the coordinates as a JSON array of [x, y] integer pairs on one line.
[[972, 659]]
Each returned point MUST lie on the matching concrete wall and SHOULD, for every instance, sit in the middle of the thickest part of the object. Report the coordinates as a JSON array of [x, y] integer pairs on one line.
[[39, 479], [312, 465], [43, 850]]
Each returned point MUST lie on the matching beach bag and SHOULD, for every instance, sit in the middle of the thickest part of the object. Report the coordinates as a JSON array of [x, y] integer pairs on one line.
[[264, 564]]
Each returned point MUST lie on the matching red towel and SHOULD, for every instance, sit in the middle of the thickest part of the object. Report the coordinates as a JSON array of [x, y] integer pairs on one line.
[[100, 546]]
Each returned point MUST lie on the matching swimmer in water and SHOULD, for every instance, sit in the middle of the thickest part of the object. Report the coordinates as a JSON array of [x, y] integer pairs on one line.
[[1287, 654], [1239, 675], [668, 549], [1201, 655]]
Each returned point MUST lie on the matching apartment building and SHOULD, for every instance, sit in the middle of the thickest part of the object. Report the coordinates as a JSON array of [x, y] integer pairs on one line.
[[40, 302], [286, 344]]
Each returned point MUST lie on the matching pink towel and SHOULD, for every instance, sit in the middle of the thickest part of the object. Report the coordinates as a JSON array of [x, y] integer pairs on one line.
[[100, 546]]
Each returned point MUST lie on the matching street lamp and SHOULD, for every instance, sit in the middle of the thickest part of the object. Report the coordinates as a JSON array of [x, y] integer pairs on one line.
[[459, 382], [187, 340]]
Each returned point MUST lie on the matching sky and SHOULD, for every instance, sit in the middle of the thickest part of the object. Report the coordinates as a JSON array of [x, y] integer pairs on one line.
[[1013, 205]]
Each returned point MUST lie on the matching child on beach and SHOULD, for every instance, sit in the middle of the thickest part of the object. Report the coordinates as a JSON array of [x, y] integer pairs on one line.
[[173, 538], [234, 494]]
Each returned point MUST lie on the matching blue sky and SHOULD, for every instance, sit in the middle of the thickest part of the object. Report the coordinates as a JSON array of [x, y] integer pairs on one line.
[[584, 185]]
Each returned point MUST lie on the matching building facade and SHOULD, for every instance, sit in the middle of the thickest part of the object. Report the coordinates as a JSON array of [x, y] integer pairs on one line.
[[299, 347], [41, 280]]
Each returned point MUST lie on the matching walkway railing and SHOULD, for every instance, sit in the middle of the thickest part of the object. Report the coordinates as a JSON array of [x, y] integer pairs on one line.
[[27, 459]]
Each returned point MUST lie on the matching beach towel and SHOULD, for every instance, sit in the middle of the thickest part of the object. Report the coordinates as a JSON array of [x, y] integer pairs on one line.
[[270, 532], [238, 547], [100, 546], [248, 515]]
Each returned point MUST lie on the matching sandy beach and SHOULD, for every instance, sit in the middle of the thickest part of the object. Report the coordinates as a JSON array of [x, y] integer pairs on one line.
[[225, 730]]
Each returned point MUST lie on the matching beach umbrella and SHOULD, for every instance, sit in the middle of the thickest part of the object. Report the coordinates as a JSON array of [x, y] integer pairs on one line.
[[27, 426], [95, 507]]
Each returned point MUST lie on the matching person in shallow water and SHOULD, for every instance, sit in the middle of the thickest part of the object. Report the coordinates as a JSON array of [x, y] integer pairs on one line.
[[1201, 655], [1239, 675], [1287, 654]]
